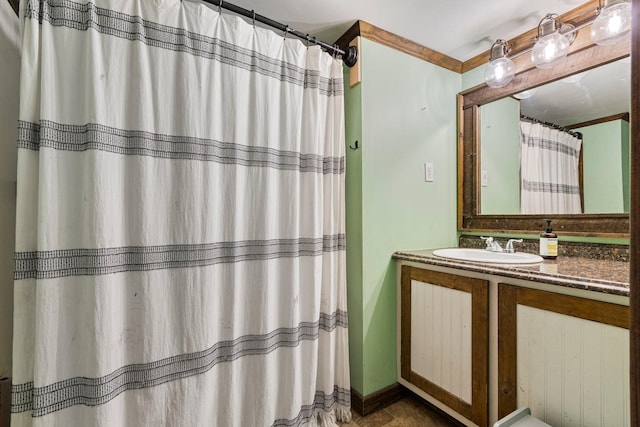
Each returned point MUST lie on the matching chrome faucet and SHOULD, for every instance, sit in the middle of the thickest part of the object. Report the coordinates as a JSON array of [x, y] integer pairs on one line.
[[488, 241], [492, 245], [509, 247]]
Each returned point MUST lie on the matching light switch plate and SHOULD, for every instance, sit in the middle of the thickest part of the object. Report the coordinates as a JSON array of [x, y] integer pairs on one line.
[[428, 172], [484, 178]]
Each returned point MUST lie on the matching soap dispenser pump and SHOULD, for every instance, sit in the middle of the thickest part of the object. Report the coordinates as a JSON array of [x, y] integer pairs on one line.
[[548, 243]]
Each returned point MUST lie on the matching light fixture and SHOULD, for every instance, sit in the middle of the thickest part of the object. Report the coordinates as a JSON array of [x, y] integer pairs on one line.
[[613, 23], [553, 41], [500, 69]]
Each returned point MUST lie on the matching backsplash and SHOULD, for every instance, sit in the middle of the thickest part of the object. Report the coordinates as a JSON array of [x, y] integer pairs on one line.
[[565, 249]]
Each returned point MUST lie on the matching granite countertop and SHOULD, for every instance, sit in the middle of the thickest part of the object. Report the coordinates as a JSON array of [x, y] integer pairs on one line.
[[607, 276]]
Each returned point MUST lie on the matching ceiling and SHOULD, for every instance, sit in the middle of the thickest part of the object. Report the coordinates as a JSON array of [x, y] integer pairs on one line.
[[463, 29], [460, 29]]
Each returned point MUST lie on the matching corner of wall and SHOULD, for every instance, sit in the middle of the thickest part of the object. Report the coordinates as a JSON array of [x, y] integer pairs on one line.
[[353, 133]]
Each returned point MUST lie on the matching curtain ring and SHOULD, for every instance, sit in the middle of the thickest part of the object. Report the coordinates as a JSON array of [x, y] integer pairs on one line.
[[220, 7], [307, 37], [286, 30], [254, 18]]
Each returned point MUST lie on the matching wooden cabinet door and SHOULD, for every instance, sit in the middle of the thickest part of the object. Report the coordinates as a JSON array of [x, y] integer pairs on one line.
[[445, 339], [564, 357]]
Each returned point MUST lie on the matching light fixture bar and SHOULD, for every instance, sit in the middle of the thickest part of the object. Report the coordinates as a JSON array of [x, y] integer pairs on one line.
[[580, 17], [611, 25], [575, 31]]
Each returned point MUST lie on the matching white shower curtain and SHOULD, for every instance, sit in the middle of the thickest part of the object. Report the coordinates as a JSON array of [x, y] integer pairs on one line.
[[180, 254], [549, 170]]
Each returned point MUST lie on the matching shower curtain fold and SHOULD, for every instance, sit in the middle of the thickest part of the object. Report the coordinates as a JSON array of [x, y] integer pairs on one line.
[[180, 243]]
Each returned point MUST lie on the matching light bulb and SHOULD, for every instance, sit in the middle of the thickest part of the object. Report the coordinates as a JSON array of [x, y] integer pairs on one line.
[[549, 50], [613, 24], [499, 72]]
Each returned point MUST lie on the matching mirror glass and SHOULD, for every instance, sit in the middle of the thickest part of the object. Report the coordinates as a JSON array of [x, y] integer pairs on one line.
[[596, 104]]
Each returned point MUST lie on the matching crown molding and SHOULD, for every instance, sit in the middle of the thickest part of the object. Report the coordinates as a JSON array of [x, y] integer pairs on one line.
[[384, 37]]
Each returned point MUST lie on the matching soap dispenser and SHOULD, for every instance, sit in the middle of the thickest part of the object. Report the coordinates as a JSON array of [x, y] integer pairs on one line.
[[548, 243]]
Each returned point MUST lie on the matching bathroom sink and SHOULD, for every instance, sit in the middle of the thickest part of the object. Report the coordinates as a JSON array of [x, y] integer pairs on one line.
[[482, 255]]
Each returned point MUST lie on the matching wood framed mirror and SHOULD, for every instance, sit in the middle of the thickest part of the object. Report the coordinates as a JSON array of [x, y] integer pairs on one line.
[[584, 56]]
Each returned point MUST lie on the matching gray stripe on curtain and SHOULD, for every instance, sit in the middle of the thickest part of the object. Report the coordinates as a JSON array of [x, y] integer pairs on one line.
[[547, 187], [93, 136], [82, 16], [322, 401], [83, 262], [97, 391]]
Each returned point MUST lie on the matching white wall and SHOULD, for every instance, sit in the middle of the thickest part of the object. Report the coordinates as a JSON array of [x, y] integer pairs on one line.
[[9, 104]]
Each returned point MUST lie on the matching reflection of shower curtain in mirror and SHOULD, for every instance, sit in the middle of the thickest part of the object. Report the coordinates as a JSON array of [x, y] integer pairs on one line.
[[549, 175]]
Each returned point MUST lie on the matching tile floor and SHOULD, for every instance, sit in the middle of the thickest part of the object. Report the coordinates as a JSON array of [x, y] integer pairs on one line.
[[407, 412]]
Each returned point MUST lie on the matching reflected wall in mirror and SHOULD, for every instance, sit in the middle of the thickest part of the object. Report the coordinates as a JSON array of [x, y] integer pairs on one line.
[[489, 153], [594, 103]]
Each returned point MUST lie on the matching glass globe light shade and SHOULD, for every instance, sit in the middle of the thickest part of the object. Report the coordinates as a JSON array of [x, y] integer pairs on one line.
[[613, 24], [499, 72], [549, 50]]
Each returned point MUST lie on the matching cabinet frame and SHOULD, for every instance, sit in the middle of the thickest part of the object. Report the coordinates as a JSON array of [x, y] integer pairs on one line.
[[509, 297], [477, 410]]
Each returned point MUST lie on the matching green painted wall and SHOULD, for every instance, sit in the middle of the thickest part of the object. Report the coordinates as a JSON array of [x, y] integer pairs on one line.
[[473, 78], [353, 132], [500, 156], [407, 113], [626, 176], [605, 151]]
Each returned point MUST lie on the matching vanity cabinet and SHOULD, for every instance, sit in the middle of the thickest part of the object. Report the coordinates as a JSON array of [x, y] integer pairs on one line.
[[478, 345], [565, 357], [445, 339]]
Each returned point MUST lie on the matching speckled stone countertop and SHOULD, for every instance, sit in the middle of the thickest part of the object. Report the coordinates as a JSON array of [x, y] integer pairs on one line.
[[607, 276]]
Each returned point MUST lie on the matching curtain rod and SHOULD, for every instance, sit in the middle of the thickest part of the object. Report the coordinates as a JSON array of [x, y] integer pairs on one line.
[[552, 125], [350, 57]]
